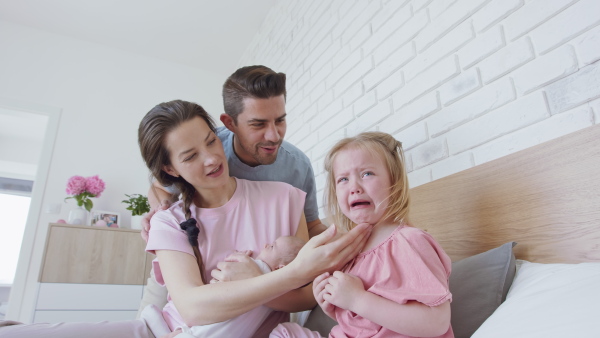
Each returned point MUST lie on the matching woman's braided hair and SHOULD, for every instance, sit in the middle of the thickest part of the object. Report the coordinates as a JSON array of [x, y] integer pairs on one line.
[[154, 128]]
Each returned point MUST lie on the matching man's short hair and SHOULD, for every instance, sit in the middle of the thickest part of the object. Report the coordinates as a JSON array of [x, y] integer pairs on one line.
[[258, 82]]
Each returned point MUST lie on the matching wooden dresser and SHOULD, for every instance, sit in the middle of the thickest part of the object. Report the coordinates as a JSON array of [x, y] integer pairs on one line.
[[91, 274]]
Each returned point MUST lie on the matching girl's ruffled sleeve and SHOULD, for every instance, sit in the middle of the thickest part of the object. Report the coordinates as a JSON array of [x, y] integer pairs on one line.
[[418, 269]]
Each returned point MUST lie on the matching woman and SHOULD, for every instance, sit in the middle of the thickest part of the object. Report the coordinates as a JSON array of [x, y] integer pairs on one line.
[[179, 146]]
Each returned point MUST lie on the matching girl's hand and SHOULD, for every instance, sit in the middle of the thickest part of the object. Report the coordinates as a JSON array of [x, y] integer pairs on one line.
[[343, 289], [236, 266], [318, 291]]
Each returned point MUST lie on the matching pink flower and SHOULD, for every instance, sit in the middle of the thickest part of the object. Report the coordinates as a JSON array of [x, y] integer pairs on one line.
[[83, 189], [76, 185], [94, 185]]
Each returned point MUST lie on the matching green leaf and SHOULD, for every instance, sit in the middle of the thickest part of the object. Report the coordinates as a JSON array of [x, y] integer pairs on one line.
[[88, 204], [137, 203]]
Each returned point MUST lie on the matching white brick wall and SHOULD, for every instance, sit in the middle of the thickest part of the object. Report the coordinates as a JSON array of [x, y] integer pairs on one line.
[[459, 82]]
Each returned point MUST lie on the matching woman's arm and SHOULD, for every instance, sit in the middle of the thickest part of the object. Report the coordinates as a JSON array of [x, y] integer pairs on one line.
[[201, 304], [299, 299], [412, 318]]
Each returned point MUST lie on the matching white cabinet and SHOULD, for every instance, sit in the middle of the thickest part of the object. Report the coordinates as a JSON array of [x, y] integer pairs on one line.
[[91, 274], [65, 302]]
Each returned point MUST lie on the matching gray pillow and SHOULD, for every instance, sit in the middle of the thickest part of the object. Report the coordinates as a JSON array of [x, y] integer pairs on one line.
[[479, 285], [318, 321]]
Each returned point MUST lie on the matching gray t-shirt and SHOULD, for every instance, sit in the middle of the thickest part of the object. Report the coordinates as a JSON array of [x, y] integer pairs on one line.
[[292, 166]]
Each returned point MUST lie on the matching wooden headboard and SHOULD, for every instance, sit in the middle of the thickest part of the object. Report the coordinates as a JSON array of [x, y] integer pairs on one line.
[[546, 198]]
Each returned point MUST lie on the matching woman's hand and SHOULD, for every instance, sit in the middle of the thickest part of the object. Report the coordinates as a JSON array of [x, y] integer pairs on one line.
[[342, 290], [319, 290], [327, 252], [236, 266]]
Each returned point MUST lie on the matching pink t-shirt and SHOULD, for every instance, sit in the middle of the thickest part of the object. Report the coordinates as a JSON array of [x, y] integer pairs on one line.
[[257, 213], [409, 265]]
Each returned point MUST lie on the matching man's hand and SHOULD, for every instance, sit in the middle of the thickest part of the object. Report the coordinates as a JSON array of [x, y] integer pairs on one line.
[[342, 290], [164, 205], [319, 290], [236, 266]]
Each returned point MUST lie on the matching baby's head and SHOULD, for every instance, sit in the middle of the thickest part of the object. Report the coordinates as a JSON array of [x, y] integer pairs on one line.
[[366, 181], [281, 252]]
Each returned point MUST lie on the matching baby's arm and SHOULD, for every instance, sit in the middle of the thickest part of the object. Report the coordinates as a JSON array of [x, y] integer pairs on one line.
[[411, 319]]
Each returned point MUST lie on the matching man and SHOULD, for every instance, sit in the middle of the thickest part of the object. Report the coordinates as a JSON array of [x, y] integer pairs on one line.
[[252, 136], [255, 125]]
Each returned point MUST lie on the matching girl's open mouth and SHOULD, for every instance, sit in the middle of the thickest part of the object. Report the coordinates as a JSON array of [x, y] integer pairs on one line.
[[359, 204]]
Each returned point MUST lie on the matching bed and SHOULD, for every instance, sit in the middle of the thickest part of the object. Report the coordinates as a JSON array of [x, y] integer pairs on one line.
[[523, 232]]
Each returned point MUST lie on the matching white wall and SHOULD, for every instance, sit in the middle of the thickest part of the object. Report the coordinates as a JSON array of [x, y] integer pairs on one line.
[[459, 82], [103, 94]]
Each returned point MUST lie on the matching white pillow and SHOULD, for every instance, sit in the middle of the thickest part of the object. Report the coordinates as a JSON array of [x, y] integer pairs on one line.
[[548, 300]]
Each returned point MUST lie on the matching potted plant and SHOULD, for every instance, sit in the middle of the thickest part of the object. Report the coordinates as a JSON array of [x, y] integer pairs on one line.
[[82, 190], [138, 205]]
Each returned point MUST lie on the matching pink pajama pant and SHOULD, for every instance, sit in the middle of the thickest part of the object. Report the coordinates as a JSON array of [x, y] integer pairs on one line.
[[125, 329], [293, 330]]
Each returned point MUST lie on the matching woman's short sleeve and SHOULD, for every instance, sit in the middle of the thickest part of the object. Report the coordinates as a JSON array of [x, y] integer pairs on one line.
[[165, 234]]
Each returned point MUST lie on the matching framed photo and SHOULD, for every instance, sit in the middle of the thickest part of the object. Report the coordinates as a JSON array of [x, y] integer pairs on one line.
[[102, 218]]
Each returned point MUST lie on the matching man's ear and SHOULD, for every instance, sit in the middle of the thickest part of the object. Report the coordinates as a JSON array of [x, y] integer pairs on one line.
[[169, 170], [228, 121]]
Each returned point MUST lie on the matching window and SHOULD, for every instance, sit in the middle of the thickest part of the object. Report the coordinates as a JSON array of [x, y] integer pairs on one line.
[[14, 207]]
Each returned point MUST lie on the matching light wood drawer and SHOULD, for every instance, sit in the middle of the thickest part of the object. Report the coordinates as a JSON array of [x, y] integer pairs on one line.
[[59, 296], [95, 255]]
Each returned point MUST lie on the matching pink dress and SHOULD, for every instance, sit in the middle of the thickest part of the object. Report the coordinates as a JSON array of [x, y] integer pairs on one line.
[[257, 213], [408, 265]]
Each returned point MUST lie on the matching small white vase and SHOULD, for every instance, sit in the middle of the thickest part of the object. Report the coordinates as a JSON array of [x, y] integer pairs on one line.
[[78, 216], [136, 222]]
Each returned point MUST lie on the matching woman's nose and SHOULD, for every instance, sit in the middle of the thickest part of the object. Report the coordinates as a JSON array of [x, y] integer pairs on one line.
[[210, 159]]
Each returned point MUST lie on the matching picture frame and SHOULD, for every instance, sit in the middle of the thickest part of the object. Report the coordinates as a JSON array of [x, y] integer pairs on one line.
[[104, 218]]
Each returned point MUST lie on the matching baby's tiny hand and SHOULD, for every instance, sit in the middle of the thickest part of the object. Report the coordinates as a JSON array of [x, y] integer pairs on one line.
[[245, 252], [172, 334]]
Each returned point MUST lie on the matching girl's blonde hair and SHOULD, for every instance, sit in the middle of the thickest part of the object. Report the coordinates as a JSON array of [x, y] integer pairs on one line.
[[390, 151]]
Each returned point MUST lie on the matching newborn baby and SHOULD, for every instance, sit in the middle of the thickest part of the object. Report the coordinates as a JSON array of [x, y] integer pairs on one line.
[[279, 254], [272, 257]]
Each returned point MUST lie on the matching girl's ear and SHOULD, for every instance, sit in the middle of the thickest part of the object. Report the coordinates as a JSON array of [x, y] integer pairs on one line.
[[169, 170]]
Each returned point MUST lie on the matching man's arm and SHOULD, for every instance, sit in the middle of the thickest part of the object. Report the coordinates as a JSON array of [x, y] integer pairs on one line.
[[158, 195], [315, 227]]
